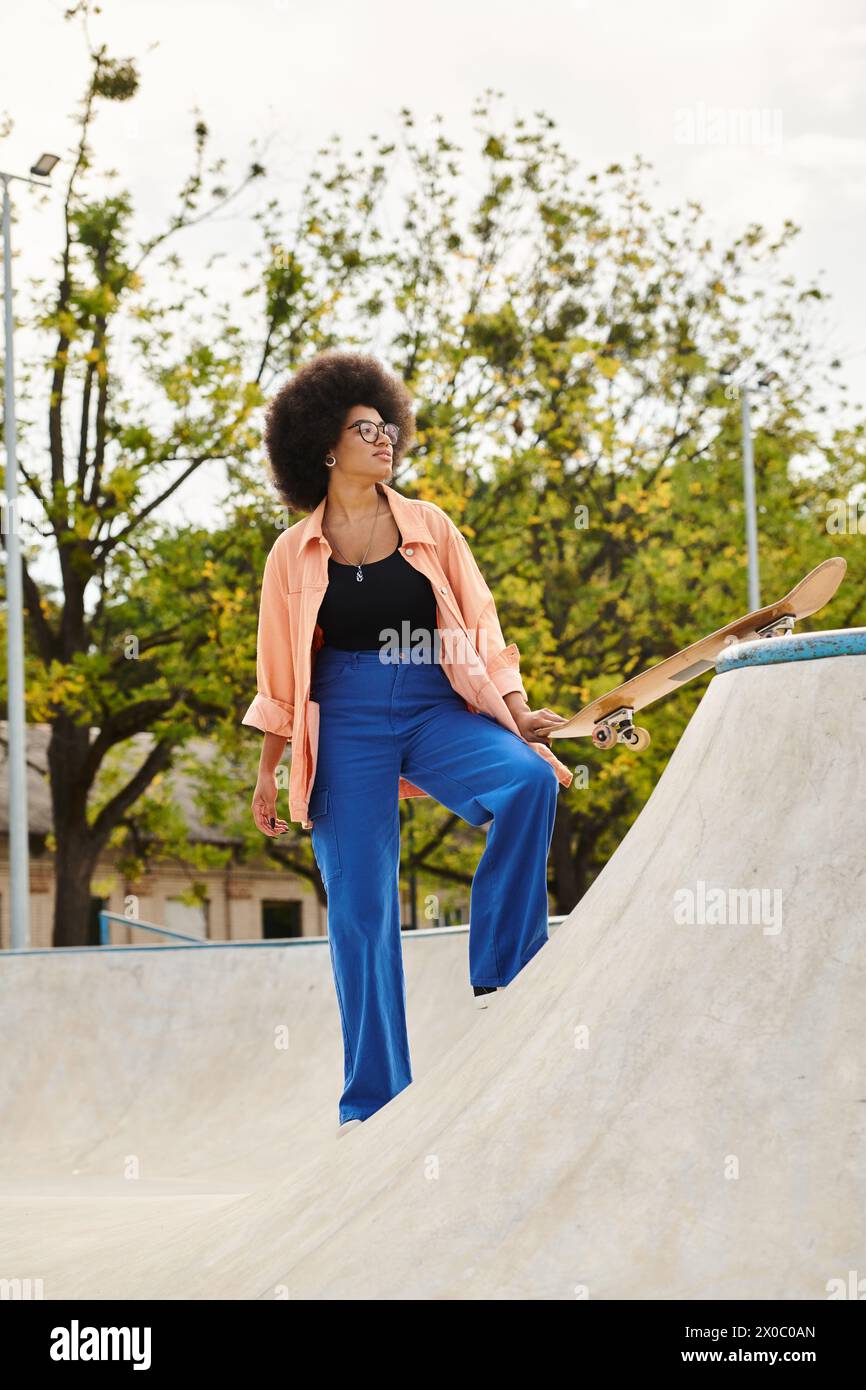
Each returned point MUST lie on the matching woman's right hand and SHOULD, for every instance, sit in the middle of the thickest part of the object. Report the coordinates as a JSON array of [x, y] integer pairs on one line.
[[265, 808]]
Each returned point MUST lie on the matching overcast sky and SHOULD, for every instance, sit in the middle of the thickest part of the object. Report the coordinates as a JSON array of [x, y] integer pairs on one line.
[[639, 76]]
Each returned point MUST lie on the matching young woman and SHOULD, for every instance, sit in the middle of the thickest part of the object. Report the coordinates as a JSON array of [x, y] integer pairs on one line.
[[381, 657]]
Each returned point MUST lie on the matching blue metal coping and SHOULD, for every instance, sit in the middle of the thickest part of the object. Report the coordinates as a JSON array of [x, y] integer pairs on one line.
[[800, 646]]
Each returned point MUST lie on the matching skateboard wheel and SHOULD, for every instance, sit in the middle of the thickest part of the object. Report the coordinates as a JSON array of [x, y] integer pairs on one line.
[[602, 736], [638, 739]]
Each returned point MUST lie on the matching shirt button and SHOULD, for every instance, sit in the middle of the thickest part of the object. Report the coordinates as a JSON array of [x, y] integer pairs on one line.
[[409, 550], [442, 589]]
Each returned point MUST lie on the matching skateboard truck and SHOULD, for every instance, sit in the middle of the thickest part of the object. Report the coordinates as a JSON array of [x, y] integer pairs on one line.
[[782, 627], [619, 727]]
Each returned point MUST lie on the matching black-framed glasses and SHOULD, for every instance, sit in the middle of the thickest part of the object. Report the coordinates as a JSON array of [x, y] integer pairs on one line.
[[369, 431]]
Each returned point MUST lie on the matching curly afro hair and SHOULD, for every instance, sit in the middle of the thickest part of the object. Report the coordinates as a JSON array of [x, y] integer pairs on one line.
[[304, 419]]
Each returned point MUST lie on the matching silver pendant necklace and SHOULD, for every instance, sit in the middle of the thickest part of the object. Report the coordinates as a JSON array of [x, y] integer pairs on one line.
[[359, 574]]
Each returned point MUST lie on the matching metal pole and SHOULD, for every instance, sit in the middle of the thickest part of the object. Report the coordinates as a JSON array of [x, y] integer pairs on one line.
[[749, 500], [16, 754]]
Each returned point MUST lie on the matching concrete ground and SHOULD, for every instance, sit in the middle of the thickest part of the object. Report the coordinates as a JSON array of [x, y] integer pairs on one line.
[[655, 1108]]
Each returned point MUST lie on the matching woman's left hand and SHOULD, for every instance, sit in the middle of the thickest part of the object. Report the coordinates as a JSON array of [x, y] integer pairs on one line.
[[536, 724]]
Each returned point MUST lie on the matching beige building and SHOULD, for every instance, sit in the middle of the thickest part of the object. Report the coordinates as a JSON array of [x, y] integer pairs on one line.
[[243, 901]]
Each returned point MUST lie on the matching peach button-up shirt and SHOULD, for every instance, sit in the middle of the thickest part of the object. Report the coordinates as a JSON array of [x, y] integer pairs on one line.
[[471, 648]]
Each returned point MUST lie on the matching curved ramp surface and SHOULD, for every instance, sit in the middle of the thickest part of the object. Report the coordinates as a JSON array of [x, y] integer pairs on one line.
[[219, 1065], [144, 1087], [668, 1102]]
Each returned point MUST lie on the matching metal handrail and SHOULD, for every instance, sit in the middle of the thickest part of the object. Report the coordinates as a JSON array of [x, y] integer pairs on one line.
[[106, 917], [256, 942]]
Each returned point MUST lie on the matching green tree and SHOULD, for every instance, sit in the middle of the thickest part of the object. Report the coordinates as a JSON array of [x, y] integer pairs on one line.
[[144, 643], [572, 350]]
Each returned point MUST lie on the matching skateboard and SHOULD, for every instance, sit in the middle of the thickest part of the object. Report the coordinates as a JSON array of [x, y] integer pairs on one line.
[[610, 718]]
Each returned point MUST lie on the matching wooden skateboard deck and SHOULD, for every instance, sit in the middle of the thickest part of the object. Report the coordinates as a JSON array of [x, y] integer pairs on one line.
[[608, 719]]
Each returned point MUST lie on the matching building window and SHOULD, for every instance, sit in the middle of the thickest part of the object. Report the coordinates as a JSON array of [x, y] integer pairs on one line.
[[281, 919], [96, 906]]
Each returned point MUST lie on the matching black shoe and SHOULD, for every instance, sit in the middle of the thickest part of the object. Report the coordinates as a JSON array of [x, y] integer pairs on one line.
[[484, 989]]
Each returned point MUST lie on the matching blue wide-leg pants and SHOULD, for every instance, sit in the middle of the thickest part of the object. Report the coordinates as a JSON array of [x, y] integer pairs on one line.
[[379, 721]]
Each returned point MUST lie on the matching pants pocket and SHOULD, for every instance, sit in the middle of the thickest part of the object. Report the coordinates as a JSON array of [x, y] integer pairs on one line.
[[326, 846], [329, 674]]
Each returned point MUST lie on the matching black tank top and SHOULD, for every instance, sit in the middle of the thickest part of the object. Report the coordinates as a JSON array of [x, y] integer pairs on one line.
[[353, 614]]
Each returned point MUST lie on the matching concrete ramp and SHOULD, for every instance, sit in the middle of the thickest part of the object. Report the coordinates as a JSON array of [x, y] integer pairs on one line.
[[193, 1065], [142, 1088], [668, 1102]]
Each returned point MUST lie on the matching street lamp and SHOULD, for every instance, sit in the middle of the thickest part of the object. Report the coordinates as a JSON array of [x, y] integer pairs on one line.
[[44, 164], [742, 390], [16, 753]]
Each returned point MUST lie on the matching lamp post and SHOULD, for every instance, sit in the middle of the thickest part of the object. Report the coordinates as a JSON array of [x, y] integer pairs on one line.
[[749, 504], [16, 753]]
